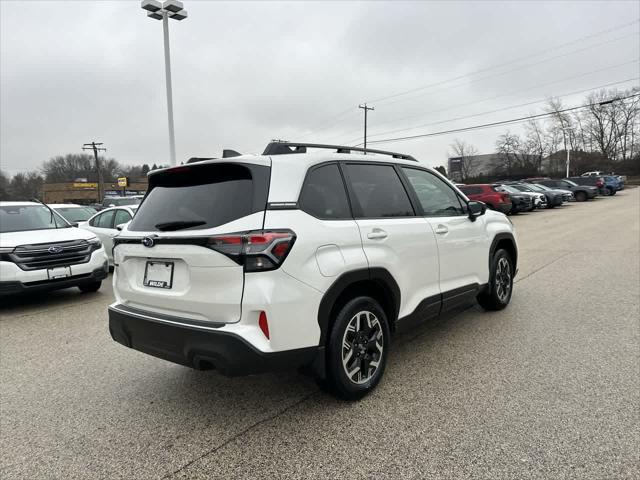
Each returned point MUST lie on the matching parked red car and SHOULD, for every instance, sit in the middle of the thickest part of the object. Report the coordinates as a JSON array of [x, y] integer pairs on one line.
[[486, 193]]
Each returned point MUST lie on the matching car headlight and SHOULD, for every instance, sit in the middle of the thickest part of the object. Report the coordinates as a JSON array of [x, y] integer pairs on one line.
[[95, 244]]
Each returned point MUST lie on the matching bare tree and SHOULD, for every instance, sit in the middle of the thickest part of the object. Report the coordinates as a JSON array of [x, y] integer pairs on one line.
[[25, 186], [71, 166], [509, 147], [465, 152], [536, 142], [5, 193]]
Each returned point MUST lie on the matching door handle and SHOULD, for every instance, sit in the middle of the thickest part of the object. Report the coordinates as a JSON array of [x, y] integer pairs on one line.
[[377, 234], [441, 229]]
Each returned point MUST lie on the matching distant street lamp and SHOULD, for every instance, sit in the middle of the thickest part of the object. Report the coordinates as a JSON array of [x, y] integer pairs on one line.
[[567, 129], [164, 11]]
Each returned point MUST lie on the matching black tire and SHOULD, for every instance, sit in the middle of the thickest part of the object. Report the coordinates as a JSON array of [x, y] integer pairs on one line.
[[337, 381], [497, 295], [90, 287], [610, 191], [581, 196]]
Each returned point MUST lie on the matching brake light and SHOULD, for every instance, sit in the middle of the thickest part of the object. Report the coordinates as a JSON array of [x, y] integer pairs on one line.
[[600, 183], [256, 251], [504, 197]]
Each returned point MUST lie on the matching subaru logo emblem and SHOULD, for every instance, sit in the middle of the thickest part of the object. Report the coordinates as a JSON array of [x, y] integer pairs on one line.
[[148, 242], [54, 249]]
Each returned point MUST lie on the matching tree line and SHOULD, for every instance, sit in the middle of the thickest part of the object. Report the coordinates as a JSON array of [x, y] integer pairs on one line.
[[67, 168], [604, 135]]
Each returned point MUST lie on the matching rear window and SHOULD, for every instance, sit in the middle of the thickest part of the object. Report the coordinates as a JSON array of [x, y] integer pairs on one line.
[[471, 190], [119, 202], [323, 194], [202, 196]]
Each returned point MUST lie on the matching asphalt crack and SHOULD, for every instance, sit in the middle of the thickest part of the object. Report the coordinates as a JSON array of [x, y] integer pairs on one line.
[[243, 432]]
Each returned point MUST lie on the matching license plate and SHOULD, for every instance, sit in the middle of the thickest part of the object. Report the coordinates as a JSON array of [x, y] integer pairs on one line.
[[58, 272], [158, 274]]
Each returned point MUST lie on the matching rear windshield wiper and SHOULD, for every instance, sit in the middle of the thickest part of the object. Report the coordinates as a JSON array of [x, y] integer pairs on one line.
[[178, 225]]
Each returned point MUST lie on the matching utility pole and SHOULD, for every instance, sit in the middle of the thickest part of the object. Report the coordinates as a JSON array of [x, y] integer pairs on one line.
[[366, 109], [96, 148]]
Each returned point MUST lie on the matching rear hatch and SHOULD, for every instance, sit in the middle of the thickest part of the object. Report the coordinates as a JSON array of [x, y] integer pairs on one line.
[[176, 257]]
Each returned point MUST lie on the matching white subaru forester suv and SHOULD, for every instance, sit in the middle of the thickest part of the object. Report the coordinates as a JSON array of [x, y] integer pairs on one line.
[[306, 256]]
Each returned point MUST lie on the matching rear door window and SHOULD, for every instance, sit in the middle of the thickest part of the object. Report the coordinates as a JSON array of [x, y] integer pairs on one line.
[[377, 192], [104, 220], [323, 194], [202, 196]]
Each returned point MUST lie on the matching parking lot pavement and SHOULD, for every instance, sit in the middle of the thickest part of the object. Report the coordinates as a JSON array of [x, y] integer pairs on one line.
[[547, 388]]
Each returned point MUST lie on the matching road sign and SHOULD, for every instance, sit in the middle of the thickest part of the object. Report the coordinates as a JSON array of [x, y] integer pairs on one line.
[[123, 181]]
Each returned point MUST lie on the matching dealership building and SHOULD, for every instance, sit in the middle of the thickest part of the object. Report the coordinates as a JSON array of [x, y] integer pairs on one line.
[[85, 193]]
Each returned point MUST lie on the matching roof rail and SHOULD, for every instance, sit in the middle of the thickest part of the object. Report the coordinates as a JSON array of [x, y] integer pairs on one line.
[[283, 148]]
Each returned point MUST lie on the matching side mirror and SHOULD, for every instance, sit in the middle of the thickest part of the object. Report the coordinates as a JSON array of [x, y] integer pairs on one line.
[[476, 209], [74, 224], [120, 227]]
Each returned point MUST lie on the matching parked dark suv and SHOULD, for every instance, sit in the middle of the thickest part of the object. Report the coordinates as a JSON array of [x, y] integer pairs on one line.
[[580, 192], [597, 182]]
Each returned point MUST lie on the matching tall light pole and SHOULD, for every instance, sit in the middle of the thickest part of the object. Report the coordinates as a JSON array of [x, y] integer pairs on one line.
[[164, 11]]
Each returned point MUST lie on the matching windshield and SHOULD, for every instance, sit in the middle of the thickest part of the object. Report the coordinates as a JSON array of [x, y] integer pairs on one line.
[[535, 188], [23, 218], [118, 202], [507, 188], [573, 184], [76, 214], [522, 188]]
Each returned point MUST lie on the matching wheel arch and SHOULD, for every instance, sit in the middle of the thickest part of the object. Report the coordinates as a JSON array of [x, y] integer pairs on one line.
[[506, 241], [377, 283]]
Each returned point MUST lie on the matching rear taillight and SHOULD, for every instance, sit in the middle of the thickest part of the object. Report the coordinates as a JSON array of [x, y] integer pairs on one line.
[[600, 183], [257, 251], [505, 197]]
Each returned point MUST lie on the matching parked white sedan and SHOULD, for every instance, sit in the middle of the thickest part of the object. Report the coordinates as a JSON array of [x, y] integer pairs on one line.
[[104, 225]]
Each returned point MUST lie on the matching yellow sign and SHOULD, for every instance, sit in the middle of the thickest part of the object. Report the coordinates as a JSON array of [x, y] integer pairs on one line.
[[123, 181], [85, 185]]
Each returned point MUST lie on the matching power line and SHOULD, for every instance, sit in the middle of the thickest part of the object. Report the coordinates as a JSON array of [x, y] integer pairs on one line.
[[329, 122], [349, 112], [510, 62], [503, 122], [521, 67], [504, 108], [513, 92]]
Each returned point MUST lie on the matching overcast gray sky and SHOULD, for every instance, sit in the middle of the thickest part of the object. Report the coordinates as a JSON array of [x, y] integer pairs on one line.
[[245, 72]]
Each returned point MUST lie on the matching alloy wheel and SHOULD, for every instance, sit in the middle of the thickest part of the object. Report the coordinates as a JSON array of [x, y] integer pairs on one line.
[[503, 279], [362, 347]]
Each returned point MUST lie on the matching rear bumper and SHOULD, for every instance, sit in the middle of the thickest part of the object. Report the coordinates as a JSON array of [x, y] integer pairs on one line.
[[17, 287], [201, 347]]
